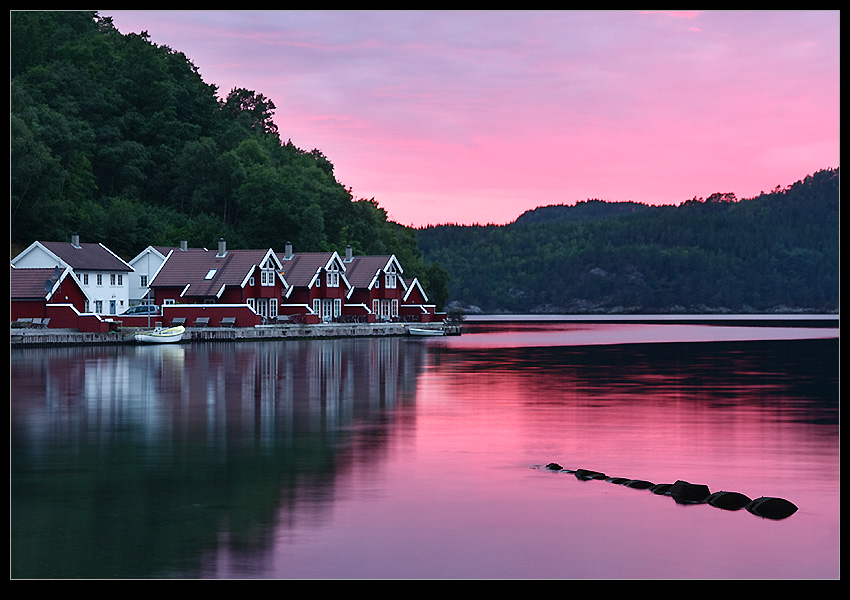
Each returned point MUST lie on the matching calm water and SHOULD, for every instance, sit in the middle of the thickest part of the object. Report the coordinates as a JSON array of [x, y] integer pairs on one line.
[[422, 458]]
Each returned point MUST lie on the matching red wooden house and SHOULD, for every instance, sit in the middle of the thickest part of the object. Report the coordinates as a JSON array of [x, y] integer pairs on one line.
[[202, 277], [377, 285], [32, 290], [316, 285], [414, 303]]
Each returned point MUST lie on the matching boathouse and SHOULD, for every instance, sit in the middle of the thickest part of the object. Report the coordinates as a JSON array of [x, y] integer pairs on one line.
[[316, 285]]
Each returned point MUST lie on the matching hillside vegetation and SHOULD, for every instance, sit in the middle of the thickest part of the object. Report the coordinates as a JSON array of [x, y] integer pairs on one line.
[[778, 251], [121, 141]]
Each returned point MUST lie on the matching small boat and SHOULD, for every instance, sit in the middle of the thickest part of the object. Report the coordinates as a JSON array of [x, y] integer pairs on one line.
[[160, 335], [417, 331]]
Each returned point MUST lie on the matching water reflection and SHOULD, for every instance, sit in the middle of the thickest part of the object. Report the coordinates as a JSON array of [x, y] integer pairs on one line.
[[410, 457], [130, 461]]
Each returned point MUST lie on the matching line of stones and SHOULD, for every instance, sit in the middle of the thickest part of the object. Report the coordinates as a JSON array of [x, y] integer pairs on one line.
[[684, 492]]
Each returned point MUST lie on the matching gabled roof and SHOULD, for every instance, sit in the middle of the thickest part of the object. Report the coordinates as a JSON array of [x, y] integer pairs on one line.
[[205, 273], [29, 284], [86, 257], [363, 270], [412, 284], [302, 268]]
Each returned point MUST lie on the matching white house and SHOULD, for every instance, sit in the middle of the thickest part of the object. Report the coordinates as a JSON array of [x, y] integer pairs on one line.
[[145, 265], [103, 276]]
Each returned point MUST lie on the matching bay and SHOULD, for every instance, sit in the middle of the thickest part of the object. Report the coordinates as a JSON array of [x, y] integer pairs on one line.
[[405, 458]]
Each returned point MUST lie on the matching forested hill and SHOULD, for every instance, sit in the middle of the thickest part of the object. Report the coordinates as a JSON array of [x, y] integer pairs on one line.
[[778, 251], [121, 141]]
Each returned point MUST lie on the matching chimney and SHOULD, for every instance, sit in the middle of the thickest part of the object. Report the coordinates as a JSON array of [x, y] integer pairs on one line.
[[184, 245], [287, 251], [348, 253], [75, 240], [222, 247]]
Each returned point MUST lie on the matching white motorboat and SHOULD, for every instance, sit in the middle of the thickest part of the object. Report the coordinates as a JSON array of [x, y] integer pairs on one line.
[[418, 331], [161, 335]]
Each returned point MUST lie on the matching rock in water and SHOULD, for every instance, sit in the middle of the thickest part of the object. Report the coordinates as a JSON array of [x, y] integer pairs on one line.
[[772, 508], [689, 493], [585, 474], [728, 500]]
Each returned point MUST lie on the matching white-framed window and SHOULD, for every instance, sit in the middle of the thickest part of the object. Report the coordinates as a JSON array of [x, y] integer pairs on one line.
[[317, 306], [120, 278], [394, 308], [337, 307], [251, 282], [333, 276], [112, 279], [85, 278], [376, 306], [273, 308], [99, 279], [98, 306], [390, 279], [168, 301], [143, 280], [267, 273]]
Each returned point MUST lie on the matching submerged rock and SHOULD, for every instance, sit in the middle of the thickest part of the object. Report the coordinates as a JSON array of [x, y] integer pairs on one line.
[[639, 484], [772, 508], [617, 480], [661, 488], [554, 467]]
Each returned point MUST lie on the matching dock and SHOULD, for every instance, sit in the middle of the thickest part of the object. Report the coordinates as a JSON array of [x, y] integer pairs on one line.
[[124, 335]]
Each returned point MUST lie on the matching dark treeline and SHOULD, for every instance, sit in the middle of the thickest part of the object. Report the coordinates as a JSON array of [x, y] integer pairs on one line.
[[120, 140], [774, 252]]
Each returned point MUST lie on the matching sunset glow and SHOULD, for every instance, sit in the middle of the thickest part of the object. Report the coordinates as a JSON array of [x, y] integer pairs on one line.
[[475, 117]]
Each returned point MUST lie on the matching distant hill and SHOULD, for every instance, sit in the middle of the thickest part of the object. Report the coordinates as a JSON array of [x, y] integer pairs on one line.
[[586, 210], [778, 251]]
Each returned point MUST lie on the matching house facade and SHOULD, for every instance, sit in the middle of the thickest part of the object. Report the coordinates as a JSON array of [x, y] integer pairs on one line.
[[376, 285], [103, 276], [316, 284], [234, 277]]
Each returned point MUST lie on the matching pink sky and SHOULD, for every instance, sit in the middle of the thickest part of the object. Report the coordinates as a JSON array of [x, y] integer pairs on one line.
[[476, 117]]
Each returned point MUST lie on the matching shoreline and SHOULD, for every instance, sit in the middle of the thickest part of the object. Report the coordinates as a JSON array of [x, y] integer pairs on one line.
[[64, 337]]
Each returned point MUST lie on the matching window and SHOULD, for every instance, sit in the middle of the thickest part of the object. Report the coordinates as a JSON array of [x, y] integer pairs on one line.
[[251, 282], [267, 273], [394, 307], [99, 280], [273, 308], [168, 301], [390, 278], [317, 306], [85, 278], [112, 279], [143, 280], [98, 306], [337, 307], [333, 276], [120, 279], [376, 306], [210, 274]]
